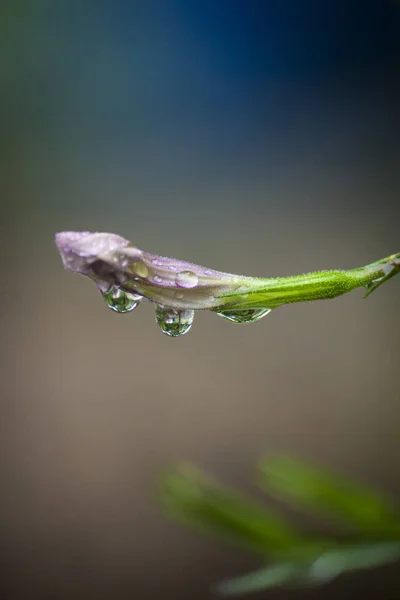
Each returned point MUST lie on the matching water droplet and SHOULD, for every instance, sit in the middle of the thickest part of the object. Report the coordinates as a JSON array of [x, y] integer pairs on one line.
[[158, 279], [178, 295], [187, 279], [174, 322], [247, 315], [374, 284], [140, 269], [120, 301]]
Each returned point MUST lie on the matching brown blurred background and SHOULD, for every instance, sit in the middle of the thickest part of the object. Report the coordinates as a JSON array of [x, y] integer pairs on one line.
[[252, 137]]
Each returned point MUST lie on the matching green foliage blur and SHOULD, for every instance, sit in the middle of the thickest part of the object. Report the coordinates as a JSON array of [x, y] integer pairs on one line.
[[293, 557]]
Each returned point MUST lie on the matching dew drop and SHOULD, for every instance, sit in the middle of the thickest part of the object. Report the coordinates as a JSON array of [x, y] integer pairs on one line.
[[120, 301], [248, 315], [187, 279], [174, 322], [140, 269], [370, 287]]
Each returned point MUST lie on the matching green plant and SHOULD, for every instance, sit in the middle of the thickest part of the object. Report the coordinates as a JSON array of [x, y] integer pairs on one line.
[[125, 275], [293, 556]]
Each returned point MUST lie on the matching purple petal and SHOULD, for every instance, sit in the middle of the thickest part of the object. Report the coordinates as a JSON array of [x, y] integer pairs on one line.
[[109, 259], [76, 247]]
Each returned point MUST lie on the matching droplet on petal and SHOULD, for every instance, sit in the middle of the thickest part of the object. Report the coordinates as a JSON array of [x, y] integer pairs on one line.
[[140, 269], [187, 279]]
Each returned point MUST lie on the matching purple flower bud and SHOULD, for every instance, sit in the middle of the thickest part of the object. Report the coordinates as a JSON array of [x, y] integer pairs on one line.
[[125, 274], [110, 260]]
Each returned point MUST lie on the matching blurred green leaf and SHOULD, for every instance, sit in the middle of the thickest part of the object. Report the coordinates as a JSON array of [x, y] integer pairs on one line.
[[351, 558], [262, 579], [325, 493], [194, 498], [199, 501], [324, 568]]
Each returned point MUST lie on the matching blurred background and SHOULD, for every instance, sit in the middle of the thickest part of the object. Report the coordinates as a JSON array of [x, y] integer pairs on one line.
[[252, 136]]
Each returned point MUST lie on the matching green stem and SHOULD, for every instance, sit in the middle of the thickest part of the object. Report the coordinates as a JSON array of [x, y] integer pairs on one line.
[[114, 263], [320, 285]]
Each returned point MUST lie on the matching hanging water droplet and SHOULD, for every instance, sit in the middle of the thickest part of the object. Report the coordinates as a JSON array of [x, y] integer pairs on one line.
[[248, 315], [174, 322], [187, 279], [120, 301]]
